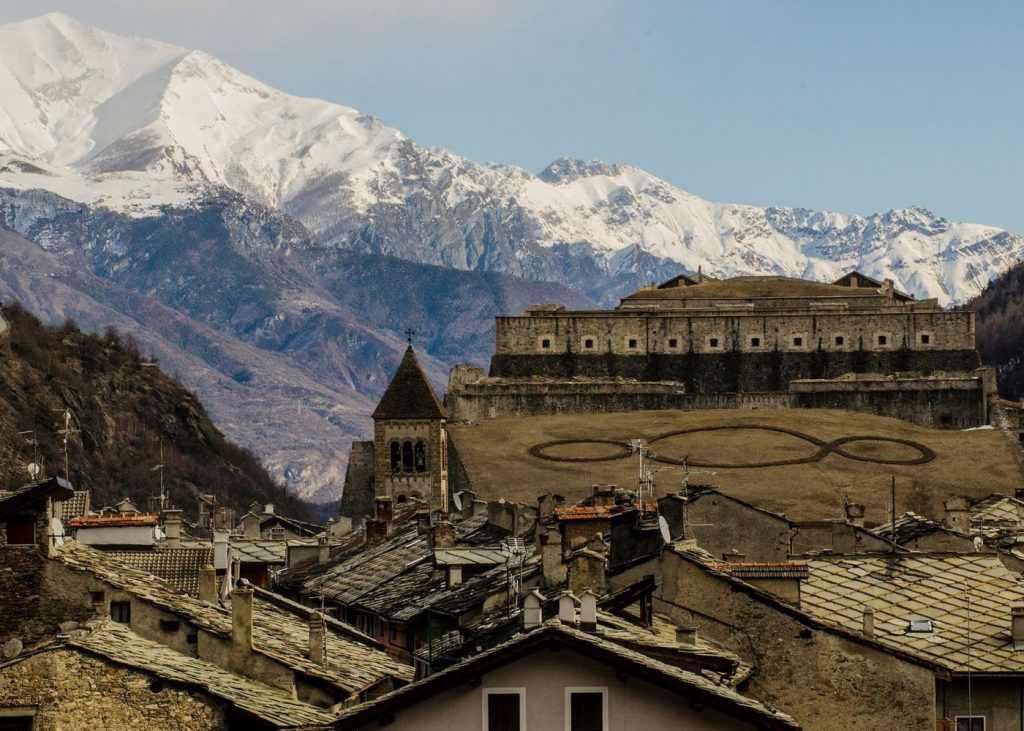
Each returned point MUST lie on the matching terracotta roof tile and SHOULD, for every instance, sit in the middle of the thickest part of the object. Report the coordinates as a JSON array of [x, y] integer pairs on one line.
[[115, 521]]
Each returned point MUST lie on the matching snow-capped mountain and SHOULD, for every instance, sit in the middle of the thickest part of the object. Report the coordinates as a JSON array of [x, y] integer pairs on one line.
[[134, 124]]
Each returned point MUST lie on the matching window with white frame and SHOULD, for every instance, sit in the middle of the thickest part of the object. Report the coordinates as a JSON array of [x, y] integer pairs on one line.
[[586, 709], [504, 709], [969, 723]]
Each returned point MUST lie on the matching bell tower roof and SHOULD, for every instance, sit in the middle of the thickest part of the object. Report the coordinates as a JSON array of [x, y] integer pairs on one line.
[[409, 395]]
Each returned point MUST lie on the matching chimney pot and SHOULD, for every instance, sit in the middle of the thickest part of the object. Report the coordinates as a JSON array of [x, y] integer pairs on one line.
[[384, 509], [869, 622], [172, 528], [532, 613], [588, 611], [567, 609], [208, 584], [422, 520], [221, 551], [686, 636], [317, 638], [1017, 624], [442, 534], [241, 616], [957, 513]]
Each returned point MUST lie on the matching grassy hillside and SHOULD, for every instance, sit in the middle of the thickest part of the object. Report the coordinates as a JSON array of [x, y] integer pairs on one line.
[[1000, 328], [122, 409]]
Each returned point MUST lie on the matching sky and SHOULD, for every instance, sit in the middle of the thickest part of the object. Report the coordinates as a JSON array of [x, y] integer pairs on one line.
[[855, 107]]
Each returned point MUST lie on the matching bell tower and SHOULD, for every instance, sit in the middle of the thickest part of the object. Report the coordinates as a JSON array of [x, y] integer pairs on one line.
[[410, 442]]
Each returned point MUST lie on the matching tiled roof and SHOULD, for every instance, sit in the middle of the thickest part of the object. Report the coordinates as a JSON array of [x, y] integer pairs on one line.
[[117, 643], [409, 395], [179, 567], [249, 551], [967, 597], [589, 644], [763, 570], [75, 506], [582, 512], [908, 527], [115, 521], [999, 520], [277, 633]]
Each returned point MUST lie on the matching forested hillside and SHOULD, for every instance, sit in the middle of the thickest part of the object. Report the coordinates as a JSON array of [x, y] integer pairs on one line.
[[1000, 328]]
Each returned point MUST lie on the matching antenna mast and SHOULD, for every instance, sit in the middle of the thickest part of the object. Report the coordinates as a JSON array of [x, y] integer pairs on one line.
[[66, 433], [160, 467]]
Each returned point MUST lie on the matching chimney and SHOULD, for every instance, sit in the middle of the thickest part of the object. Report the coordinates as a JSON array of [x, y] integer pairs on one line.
[[551, 558], [422, 520], [588, 611], [172, 528], [454, 575], [442, 534], [251, 526], [221, 551], [268, 509], [1017, 624], [855, 514], [317, 638], [469, 500], [957, 515], [567, 609], [869, 622], [734, 556], [324, 553], [604, 495], [384, 509], [241, 616], [586, 570], [532, 615], [208, 584], [686, 636], [376, 530]]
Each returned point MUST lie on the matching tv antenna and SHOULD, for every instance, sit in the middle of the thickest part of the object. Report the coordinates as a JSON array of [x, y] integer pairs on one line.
[[160, 467], [65, 434], [35, 468]]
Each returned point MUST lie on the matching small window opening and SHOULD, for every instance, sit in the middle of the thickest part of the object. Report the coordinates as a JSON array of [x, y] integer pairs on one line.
[[396, 457], [713, 342], [632, 342], [797, 342], [421, 457], [121, 612], [883, 340], [586, 711], [406, 456], [156, 686], [192, 638], [503, 711], [920, 626], [673, 343], [945, 419], [588, 344], [755, 342], [970, 723], [925, 338], [170, 625], [545, 343], [840, 340], [97, 597]]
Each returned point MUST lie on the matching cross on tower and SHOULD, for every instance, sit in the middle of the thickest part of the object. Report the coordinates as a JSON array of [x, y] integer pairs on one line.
[[409, 334]]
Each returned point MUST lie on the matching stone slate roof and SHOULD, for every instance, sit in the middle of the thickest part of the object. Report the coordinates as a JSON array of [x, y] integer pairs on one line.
[[971, 631], [117, 643], [999, 520], [278, 633], [554, 634], [179, 567], [31, 493], [409, 395], [249, 551], [908, 527]]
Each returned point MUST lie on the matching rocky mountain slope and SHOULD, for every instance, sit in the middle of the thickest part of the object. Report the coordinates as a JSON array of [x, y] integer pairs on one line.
[[1000, 328], [122, 410], [272, 250]]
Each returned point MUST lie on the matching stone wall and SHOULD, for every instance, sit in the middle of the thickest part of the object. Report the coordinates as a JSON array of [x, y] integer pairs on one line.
[[825, 680], [68, 689], [357, 495], [619, 332]]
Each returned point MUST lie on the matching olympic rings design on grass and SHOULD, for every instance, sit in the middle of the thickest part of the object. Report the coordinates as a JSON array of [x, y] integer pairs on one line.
[[824, 448]]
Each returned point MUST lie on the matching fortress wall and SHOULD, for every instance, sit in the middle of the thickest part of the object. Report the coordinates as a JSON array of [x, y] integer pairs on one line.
[[623, 332], [941, 403], [732, 371]]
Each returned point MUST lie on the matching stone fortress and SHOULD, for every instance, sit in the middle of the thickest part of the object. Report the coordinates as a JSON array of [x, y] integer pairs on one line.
[[755, 341]]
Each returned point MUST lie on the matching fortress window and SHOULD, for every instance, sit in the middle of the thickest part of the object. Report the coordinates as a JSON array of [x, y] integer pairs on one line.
[[588, 343], [406, 456], [883, 340], [632, 342], [713, 342], [673, 343], [421, 457], [925, 338], [840, 340], [755, 342], [798, 342], [396, 457], [545, 343]]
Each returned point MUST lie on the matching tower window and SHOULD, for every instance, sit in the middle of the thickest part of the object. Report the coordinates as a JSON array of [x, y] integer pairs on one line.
[[755, 342], [406, 456], [545, 343], [840, 340], [396, 457], [421, 457], [883, 340]]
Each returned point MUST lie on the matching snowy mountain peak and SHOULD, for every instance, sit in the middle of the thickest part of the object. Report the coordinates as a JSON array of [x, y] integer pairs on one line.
[[134, 125]]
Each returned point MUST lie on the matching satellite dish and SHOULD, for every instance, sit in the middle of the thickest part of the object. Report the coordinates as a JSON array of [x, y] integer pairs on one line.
[[457, 499], [665, 533], [34, 469]]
